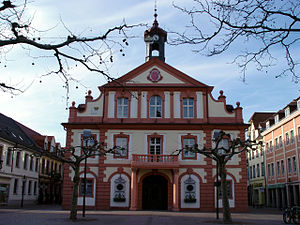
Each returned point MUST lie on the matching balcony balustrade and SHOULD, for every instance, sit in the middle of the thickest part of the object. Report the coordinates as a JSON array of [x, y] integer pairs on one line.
[[155, 161]]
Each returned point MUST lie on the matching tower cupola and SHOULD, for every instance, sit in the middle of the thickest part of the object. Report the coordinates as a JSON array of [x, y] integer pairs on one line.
[[155, 39]]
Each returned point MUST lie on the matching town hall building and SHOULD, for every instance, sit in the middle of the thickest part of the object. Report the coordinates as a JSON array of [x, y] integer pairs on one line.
[[151, 112]]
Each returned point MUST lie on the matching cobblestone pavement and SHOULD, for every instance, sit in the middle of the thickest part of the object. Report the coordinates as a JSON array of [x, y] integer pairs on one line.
[[53, 215]]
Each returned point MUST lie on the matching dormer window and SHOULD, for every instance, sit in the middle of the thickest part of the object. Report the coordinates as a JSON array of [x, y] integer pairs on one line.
[[46, 146], [267, 125], [276, 119], [298, 104], [287, 112]]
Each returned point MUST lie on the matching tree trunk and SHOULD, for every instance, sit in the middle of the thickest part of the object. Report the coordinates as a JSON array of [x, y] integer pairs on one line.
[[225, 201], [73, 212]]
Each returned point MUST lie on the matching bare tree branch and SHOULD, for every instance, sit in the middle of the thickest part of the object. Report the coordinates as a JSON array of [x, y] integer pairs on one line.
[[260, 25]]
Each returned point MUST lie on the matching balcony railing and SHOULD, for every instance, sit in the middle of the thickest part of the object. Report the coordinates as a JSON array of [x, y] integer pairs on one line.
[[155, 161]]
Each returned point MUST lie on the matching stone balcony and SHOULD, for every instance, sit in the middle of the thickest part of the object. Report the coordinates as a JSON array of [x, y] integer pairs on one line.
[[154, 161]]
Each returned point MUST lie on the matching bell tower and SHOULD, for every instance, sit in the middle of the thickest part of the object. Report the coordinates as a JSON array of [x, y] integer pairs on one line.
[[155, 39]]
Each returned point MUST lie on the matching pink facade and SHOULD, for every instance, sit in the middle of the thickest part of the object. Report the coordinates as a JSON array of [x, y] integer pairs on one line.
[[282, 142]]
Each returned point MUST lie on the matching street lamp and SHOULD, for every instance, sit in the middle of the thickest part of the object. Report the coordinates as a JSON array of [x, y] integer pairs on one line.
[[23, 187], [86, 138]]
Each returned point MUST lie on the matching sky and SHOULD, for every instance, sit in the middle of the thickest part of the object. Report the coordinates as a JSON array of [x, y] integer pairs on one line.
[[42, 107]]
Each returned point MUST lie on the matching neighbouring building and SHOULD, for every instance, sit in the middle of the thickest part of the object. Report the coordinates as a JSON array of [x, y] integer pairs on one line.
[[256, 160], [19, 157], [281, 140], [51, 167], [151, 112]]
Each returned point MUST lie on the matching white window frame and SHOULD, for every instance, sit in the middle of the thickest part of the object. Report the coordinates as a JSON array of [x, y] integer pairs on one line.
[[156, 146], [157, 108], [188, 108], [188, 142], [121, 142], [122, 107]]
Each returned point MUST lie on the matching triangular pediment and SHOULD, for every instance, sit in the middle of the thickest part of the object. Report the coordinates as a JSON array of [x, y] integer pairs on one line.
[[157, 73]]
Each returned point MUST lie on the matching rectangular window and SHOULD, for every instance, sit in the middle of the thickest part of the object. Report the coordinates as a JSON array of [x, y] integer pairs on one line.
[[31, 163], [250, 172], [89, 187], [253, 171], [16, 186], [262, 169], [258, 170], [272, 165], [51, 170], [282, 167], [55, 167], [36, 164], [280, 141], [256, 153], [289, 165], [278, 168], [276, 143], [271, 146], [24, 187], [188, 142], [298, 133], [269, 170], [294, 164], [267, 146], [18, 159], [155, 107], [292, 136], [25, 161], [276, 119], [35, 188], [287, 139], [188, 107], [122, 108], [121, 144], [29, 187], [8, 157], [155, 146]]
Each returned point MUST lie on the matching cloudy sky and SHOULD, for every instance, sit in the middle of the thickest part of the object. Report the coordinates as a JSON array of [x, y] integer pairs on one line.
[[42, 106]]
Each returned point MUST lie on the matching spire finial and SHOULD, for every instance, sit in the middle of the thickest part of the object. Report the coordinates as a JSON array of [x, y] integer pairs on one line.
[[155, 23]]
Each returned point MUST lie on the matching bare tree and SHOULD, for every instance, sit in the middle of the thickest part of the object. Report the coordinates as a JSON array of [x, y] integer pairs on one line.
[[224, 150], [90, 52], [259, 25], [75, 157]]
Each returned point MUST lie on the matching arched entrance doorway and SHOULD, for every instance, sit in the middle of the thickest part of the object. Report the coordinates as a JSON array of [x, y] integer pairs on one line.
[[155, 193]]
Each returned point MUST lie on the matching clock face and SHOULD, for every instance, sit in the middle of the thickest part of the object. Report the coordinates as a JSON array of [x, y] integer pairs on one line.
[[154, 75], [155, 37]]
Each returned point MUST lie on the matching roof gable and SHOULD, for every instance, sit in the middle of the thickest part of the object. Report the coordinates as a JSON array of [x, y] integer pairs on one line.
[[169, 76]]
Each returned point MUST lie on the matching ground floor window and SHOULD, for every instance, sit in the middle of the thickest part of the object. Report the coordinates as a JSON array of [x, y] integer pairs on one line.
[[89, 187], [4, 190]]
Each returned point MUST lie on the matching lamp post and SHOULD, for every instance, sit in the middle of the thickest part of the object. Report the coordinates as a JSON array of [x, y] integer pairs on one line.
[[23, 187], [86, 139]]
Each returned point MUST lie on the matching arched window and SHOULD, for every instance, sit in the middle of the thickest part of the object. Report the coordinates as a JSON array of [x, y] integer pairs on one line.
[[155, 107]]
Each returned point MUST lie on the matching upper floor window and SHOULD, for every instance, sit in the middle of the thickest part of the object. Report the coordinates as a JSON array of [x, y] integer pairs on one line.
[[155, 107], [287, 112], [276, 143], [282, 167], [254, 171], [122, 147], [287, 138], [250, 172], [188, 143], [25, 161], [298, 104], [52, 148], [258, 170], [46, 146], [278, 168], [18, 158], [43, 166], [267, 146], [292, 136], [155, 146], [188, 107], [298, 133], [294, 164], [8, 157], [31, 163], [280, 141], [36, 164], [271, 146], [272, 167], [262, 169], [267, 125], [269, 170], [122, 108], [289, 165]]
